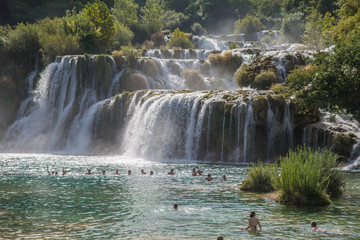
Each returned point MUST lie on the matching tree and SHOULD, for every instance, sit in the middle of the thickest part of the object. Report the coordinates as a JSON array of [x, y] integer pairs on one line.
[[99, 14], [248, 25], [152, 14], [180, 39], [270, 8], [293, 27], [337, 83], [125, 11], [172, 19]]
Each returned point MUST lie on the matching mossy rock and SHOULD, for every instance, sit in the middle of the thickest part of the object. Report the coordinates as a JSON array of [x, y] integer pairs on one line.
[[165, 53], [177, 53], [175, 68], [132, 81], [343, 144], [193, 54], [148, 67], [260, 107]]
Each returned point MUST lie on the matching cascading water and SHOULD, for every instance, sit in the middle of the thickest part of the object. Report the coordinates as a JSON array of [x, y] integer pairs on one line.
[[77, 107]]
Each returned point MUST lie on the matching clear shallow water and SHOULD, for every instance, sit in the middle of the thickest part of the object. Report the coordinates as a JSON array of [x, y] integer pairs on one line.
[[35, 205]]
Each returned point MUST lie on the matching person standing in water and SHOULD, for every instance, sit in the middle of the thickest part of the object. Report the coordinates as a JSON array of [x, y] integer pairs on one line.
[[314, 226], [253, 222]]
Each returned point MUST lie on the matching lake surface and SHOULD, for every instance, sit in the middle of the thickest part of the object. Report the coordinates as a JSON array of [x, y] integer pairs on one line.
[[34, 205]]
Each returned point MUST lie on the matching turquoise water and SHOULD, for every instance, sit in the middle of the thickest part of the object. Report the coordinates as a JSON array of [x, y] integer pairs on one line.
[[77, 206]]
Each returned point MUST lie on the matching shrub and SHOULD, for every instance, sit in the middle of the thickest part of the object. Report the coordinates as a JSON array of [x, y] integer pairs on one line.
[[132, 81], [306, 177], [194, 80], [197, 29], [248, 25], [233, 45], [118, 58], [259, 178], [172, 19], [244, 76], [264, 80], [58, 45], [300, 77], [131, 54], [226, 61], [148, 67], [158, 39], [180, 39]]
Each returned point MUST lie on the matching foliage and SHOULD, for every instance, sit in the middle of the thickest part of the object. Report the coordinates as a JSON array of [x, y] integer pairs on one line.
[[233, 45], [151, 15], [132, 81], [125, 12], [347, 27], [179, 39], [193, 80], [306, 176], [131, 54], [259, 178], [293, 27], [123, 35], [248, 25], [23, 42], [172, 20], [244, 76], [197, 29], [99, 14], [337, 83], [158, 39], [318, 30], [118, 58], [269, 8], [264, 80], [300, 77], [226, 61]]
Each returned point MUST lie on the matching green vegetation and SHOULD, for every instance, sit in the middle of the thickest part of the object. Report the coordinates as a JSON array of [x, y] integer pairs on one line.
[[179, 39], [193, 80], [307, 177], [248, 25], [259, 178], [264, 80]]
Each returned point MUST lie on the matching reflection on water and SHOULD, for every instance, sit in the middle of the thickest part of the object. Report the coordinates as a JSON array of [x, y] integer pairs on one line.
[[35, 205]]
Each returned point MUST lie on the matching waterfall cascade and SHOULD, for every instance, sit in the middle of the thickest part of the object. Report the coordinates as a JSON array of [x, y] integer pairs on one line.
[[79, 106]]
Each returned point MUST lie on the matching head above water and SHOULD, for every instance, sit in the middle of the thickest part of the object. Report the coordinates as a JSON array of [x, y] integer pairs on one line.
[[252, 214], [175, 206], [220, 238], [313, 224]]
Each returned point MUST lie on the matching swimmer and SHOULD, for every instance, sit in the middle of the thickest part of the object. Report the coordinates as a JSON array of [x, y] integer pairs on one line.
[[129, 172], [56, 173], [175, 206], [209, 178], [63, 171], [171, 172], [253, 222], [220, 238], [47, 169], [151, 173], [103, 172], [199, 172], [142, 171], [314, 226], [52, 172], [116, 172], [88, 172], [224, 177], [194, 172]]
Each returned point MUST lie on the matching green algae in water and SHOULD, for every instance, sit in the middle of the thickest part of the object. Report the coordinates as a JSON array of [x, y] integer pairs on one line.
[[77, 206]]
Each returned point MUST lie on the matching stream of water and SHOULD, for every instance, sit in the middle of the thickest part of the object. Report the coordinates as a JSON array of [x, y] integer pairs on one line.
[[34, 205]]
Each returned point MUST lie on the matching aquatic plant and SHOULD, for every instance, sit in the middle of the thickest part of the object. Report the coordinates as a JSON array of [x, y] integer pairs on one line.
[[308, 177], [259, 178]]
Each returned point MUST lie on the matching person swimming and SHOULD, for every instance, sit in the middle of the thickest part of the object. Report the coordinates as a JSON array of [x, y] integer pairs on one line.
[[314, 226], [171, 172], [209, 177], [129, 172], [116, 172], [253, 222], [194, 172], [199, 172], [151, 173], [142, 171], [103, 172], [175, 206], [88, 172], [63, 171], [224, 177]]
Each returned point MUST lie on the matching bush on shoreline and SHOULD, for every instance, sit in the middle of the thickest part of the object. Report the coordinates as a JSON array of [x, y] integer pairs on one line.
[[306, 178], [259, 178]]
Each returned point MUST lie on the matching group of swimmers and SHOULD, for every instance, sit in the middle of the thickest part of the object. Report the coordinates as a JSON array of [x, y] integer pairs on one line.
[[171, 172]]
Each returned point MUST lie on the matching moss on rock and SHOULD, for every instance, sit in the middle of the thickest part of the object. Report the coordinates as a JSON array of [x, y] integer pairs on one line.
[[132, 81]]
